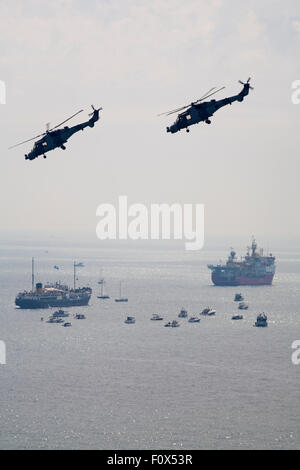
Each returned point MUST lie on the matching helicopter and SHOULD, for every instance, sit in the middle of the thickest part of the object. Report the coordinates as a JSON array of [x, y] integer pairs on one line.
[[56, 138], [202, 110]]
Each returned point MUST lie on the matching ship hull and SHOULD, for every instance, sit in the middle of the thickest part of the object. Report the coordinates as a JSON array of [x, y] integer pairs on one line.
[[30, 304], [265, 280]]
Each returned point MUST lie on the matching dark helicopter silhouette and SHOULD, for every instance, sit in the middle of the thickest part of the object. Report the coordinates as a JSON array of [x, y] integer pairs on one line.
[[55, 138], [202, 110]]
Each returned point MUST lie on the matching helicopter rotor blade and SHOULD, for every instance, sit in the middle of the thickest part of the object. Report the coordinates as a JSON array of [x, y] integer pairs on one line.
[[61, 123], [44, 133], [184, 107], [217, 91], [25, 141], [177, 110], [170, 112], [206, 94]]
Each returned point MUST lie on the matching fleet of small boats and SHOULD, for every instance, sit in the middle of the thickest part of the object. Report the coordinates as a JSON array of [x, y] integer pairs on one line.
[[59, 316]]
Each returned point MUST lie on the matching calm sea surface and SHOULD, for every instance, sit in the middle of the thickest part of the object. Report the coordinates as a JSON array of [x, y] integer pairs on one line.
[[105, 385]]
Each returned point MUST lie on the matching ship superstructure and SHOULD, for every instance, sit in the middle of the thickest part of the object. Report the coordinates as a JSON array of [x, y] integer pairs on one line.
[[255, 269]]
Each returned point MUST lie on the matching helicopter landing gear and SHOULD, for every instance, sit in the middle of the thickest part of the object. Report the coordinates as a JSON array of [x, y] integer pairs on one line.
[[188, 130], [208, 121], [44, 156], [63, 147]]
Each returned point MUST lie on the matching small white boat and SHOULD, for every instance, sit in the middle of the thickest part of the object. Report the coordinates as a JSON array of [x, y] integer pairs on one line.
[[80, 316], [208, 312], [130, 320], [67, 324], [156, 317], [194, 320]]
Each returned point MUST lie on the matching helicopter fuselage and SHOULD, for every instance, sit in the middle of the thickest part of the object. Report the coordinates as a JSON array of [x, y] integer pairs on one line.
[[57, 138], [203, 111]]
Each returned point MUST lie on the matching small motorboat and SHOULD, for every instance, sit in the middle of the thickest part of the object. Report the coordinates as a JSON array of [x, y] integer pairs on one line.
[[80, 316], [194, 320], [183, 313], [238, 298], [130, 320], [261, 321], [67, 324], [237, 317], [173, 324], [208, 312], [156, 317], [243, 306], [55, 320]]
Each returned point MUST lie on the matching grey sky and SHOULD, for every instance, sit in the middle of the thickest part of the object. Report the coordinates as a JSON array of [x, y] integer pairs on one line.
[[137, 58]]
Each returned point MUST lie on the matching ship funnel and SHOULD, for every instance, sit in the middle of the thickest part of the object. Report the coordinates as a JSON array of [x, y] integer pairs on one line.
[[39, 288]]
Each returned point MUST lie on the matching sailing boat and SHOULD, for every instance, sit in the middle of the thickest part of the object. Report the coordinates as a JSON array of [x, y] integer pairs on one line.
[[103, 296], [121, 299], [101, 280]]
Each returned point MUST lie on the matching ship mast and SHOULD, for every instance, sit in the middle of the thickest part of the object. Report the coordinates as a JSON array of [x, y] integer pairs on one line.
[[32, 275], [74, 275]]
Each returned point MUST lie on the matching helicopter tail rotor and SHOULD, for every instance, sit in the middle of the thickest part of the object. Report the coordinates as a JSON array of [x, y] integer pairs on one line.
[[94, 110], [247, 83]]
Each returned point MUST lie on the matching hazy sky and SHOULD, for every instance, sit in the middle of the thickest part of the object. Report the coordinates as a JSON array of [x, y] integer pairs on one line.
[[137, 58]]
